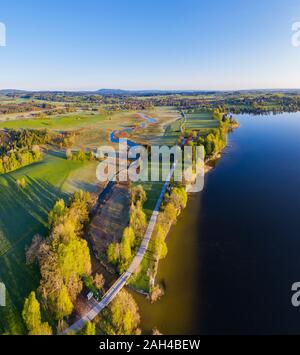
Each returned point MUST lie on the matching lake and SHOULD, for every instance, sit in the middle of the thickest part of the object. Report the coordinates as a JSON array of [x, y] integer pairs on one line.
[[235, 251]]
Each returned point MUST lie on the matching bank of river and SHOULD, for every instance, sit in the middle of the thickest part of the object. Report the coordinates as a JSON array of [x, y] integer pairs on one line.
[[234, 253]]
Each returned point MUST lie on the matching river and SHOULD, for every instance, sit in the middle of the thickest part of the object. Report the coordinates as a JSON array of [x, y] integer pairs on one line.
[[235, 251]]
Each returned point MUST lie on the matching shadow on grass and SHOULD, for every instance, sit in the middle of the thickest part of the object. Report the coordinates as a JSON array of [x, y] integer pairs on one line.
[[23, 213], [81, 185]]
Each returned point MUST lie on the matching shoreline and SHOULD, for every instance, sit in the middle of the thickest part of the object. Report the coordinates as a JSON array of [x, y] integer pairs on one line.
[[207, 168], [153, 267]]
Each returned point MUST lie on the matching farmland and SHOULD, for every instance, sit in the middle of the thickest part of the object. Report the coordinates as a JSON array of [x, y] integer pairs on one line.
[[64, 122], [24, 211], [55, 177], [198, 121]]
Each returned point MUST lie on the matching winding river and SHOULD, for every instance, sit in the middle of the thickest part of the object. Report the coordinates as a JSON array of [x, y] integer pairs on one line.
[[114, 134], [235, 251]]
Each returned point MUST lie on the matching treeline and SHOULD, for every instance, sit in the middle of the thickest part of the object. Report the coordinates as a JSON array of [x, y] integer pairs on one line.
[[63, 258], [258, 102], [54, 112], [121, 254], [213, 140], [264, 103], [14, 160], [121, 317], [174, 202], [7, 108], [94, 101], [20, 148], [79, 155], [12, 139]]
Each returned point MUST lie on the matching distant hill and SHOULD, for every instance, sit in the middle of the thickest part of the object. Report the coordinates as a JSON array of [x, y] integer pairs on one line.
[[12, 92], [120, 92]]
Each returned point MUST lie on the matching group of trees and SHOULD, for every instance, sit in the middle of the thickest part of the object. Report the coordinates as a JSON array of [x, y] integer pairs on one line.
[[13, 107], [63, 257], [121, 317], [32, 317], [213, 140], [19, 148], [15, 139], [79, 155], [121, 254], [21, 183], [174, 203], [257, 102], [95, 284], [14, 160]]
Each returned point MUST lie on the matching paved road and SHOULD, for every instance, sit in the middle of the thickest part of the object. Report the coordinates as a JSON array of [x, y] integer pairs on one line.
[[122, 280]]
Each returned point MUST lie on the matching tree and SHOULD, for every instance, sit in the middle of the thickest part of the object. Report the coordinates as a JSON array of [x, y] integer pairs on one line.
[[33, 252], [178, 197], [43, 329], [138, 195], [156, 292], [36, 150], [121, 317], [31, 312], [58, 211], [32, 317], [63, 306], [69, 154], [91, 156], [89, 329], [160, 249], [99, 281], [21, 183], [138, 221], [74, 262], [155, 331], [170, 213], [125, 252], [80, 155], [129, 234], [113, 253]]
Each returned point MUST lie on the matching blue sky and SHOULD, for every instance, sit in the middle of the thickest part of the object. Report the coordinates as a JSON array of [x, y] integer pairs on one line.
[[155, 44]]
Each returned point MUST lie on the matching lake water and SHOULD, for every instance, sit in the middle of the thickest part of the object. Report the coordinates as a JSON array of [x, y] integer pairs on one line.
[[235, 252]]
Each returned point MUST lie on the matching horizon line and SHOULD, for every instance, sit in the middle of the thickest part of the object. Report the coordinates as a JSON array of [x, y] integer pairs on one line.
[[147, 90]]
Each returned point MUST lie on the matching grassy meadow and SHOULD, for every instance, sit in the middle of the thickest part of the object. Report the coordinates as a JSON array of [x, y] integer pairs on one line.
[[64, 122], [24, 213], [198, 121]]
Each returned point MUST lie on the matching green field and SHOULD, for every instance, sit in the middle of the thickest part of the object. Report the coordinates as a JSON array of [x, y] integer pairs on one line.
[[200, 121], [172, 133], [24, 214], [65, 122]]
